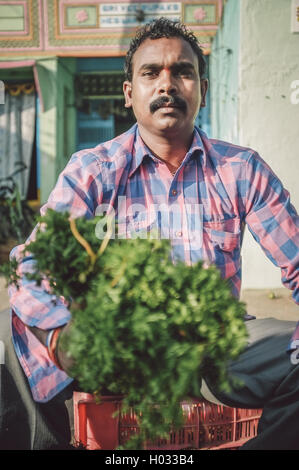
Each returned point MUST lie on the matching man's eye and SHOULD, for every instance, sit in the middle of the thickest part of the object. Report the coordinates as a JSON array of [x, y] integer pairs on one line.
[[185, 73], [149, 73]]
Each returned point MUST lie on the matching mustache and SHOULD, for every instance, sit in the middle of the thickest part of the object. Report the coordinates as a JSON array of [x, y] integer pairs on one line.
[[171, 100]]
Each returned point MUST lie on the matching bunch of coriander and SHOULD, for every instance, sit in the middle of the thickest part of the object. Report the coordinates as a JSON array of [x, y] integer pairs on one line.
[[142, 327]]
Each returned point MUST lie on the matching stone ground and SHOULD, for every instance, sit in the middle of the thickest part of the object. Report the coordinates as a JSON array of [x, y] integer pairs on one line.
[[262, 303]]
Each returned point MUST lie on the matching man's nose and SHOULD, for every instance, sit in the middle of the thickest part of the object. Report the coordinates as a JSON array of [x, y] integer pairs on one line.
[[167, 83]]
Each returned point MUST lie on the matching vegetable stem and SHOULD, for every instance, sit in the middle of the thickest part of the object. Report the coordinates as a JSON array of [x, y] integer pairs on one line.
[[93, 256], [107, 236], [82, 241]]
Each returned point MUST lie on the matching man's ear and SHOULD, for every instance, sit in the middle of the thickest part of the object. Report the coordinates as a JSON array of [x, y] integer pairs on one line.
[[204, 84], [127, 89]]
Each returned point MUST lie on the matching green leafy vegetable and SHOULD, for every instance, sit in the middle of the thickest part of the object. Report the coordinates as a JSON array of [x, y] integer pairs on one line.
[[142, 326]]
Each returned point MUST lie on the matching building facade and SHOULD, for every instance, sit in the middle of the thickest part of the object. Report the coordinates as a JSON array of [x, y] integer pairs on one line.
[[72, 53]]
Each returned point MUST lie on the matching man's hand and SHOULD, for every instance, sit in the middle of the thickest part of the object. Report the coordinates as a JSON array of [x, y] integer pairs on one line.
[[63, 357]]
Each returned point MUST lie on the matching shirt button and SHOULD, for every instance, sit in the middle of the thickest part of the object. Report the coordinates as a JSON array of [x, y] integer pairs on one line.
[[174, 192]]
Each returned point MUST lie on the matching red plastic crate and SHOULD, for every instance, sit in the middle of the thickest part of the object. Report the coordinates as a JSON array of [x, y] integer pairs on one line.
[[94, 424], [207, 426], [223, 427], [104, 426], [186, 437]]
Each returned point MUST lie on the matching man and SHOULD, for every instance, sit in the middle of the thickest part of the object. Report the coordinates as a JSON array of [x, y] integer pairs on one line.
[[164, 161]]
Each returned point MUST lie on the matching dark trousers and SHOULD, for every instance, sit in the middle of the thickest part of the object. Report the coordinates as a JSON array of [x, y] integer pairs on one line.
[[270, 381], [25, 424]]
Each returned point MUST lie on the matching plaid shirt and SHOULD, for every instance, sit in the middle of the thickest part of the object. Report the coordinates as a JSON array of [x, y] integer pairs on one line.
[[232, 185]]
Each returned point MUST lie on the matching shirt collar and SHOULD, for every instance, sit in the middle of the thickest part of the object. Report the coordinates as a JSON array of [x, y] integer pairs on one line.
[[141, 151]]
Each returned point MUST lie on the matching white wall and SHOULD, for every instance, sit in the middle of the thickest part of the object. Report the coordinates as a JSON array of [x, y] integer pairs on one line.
[[268, 121], [254, 61]]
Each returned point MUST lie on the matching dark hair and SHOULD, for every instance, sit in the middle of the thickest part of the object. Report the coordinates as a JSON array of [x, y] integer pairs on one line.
[[163, 28]]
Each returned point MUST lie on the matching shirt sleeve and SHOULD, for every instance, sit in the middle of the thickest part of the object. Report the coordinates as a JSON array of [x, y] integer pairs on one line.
[[272, 220], [78, 191], [34, 305]]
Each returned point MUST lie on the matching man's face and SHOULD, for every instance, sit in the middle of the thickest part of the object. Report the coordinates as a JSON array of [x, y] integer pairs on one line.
[[166, 92]]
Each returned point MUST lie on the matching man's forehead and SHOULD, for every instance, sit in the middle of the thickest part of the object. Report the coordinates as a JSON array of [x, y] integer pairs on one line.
[[164, 50]]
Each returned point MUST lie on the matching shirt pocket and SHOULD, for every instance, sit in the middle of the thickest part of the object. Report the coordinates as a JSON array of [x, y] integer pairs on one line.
[[224, 235], [221, 246], [226, 241]]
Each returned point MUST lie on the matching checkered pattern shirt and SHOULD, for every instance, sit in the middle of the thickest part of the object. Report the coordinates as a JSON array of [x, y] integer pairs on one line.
[[232, 185]]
